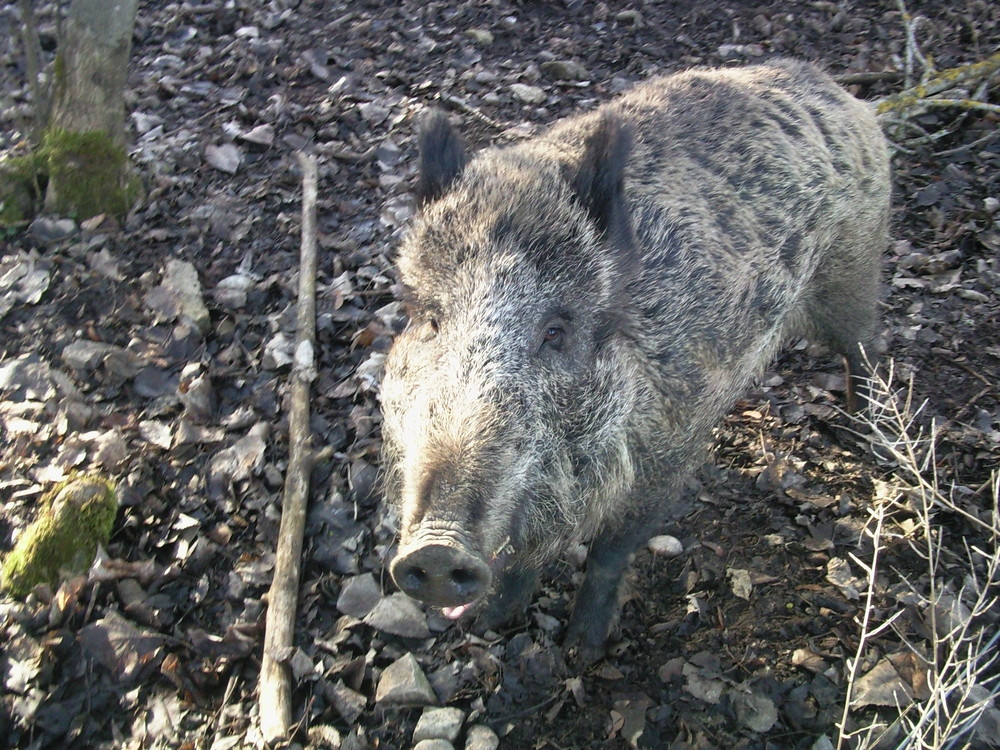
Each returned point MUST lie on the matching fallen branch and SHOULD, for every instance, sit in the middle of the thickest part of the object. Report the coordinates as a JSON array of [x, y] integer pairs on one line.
[[917, 99], [275, 675], [850, 79]]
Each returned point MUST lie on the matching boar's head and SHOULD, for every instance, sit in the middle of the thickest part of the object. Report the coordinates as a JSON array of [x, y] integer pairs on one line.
[[506, 398]]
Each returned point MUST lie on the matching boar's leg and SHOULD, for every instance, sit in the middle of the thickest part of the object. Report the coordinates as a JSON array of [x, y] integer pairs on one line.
[[844, 311], [596, 606], [511, 595], [859, 390]]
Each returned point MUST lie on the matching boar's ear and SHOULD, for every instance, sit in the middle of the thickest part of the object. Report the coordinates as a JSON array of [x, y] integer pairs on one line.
[[442, 157], [598, 179]]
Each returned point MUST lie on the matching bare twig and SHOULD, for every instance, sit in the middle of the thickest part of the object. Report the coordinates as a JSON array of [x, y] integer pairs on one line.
[[275, 675], [959, 655], [910, 24], [463, 106], [871, 569]]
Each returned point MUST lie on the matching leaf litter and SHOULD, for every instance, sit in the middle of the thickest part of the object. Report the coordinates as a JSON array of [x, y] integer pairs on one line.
[[175, 381]]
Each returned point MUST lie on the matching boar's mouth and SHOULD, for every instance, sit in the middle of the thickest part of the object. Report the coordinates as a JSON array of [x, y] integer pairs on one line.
[[444, 573]]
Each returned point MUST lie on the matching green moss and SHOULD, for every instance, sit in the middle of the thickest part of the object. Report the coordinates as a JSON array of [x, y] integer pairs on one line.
[[75, 518], [21, 178], [88, 174]]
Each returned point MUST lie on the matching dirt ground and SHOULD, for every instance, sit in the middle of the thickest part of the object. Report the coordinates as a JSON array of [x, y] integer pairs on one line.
[[738, 643]]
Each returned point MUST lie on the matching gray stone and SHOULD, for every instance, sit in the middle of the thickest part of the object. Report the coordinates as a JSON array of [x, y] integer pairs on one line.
[[45, 229], [734, 51], [564, 70], [528, 94], [196, 393], [231, 292], [481, 37], [633, 17], [439, 724], [433, 745], [225, 158], [179, 296], [324, 737], [86, 355], [481, 737], [359, 595], [262, 135], [349, 703], [27, 377], [400, 615], [403, 684]]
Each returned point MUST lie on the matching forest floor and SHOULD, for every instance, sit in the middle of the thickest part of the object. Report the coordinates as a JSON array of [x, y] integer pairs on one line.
[[741, 642]]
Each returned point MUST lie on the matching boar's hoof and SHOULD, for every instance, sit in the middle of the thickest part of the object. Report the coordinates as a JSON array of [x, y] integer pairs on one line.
[[441, 575], [586, 639], [580, 656]]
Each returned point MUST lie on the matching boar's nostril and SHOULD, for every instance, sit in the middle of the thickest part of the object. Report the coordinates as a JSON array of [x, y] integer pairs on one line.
[[441, 575], [414, 576], [463, 576]]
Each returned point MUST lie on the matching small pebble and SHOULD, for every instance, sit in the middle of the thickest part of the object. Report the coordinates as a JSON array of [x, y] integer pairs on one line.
[[433, 745], [481, 37], [665, 546], [481, 737], [528, 94]]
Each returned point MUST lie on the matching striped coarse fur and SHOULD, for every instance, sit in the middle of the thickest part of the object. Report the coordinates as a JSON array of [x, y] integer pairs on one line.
[[587, 304]]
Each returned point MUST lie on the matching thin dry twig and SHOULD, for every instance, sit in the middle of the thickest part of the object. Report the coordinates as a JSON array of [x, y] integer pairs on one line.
[[910, 24], [871, 570], [465, 107], [959, 655]]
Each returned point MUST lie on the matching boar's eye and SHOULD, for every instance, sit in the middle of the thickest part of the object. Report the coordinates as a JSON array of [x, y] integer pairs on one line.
[[554, 336], [426, 326]]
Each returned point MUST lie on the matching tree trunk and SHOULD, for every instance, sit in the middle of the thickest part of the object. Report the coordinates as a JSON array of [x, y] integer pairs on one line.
[[84, 142]]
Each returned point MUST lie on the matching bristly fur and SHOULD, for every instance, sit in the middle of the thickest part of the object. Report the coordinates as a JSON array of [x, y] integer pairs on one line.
[[588, 304]]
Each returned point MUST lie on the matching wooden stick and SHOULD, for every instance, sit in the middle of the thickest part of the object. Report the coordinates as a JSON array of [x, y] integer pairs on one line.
[[275, 674]]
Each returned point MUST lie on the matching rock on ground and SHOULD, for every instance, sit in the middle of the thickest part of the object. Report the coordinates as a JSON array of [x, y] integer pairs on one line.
[[481, 737], [433, 745], [403, 683], [439, 723]]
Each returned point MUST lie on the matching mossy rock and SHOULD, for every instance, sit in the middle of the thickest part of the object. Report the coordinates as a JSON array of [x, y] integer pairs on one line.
[[76, 517]]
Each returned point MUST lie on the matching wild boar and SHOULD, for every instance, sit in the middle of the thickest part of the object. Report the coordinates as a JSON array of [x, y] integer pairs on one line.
[[587, 304]]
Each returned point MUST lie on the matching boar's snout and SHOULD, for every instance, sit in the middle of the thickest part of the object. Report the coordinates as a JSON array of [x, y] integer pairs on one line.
[[441, 575]]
